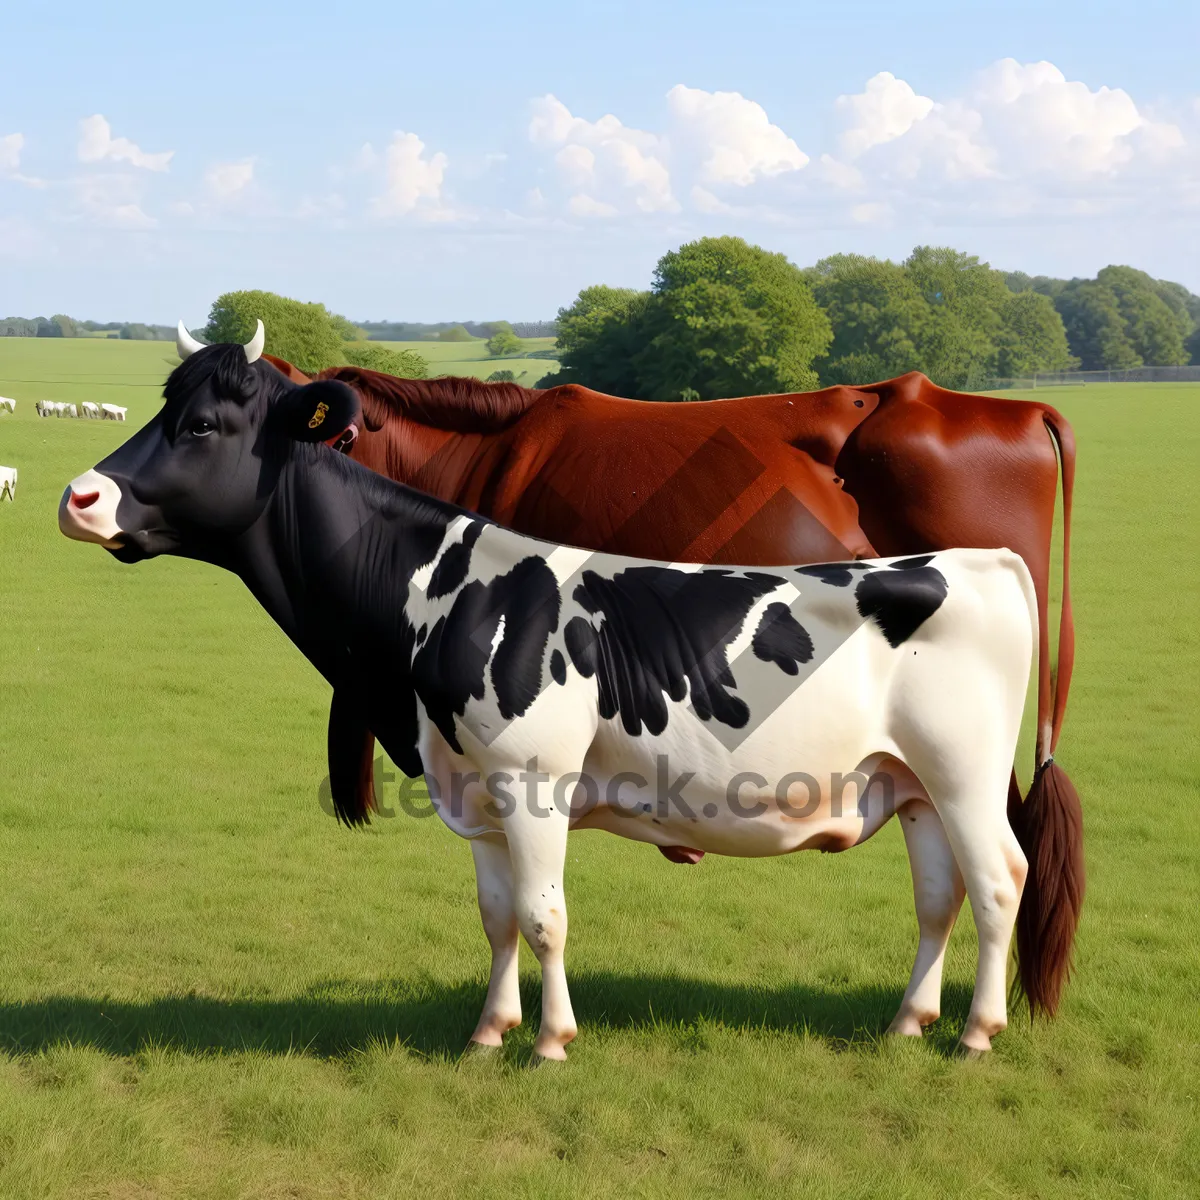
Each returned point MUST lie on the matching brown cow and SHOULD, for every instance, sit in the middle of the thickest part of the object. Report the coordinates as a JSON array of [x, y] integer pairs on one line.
[[752, 481]]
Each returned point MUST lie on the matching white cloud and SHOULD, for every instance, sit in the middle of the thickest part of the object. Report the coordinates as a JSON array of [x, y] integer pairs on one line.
[[411, 178], [710, 141], [625, 165], [367, 159], [225, 181], [704, 201], [839, 174], [576, 164], [129, 216], [585, 206], [11, 146], [886, 109], [1036, 118], [330, 206], [96, 143], [112, 201], [732, 136], [1017, 121], [870, 213]]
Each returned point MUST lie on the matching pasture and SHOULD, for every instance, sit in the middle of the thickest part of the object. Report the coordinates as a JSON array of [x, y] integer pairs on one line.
[[472, 358], [211, 989]]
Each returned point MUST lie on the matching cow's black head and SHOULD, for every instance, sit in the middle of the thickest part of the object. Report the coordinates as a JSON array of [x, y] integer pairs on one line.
[[201, 472]]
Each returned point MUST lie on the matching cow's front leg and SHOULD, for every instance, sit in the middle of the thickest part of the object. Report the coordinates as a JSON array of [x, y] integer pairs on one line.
[[494, 884], [537, 844]]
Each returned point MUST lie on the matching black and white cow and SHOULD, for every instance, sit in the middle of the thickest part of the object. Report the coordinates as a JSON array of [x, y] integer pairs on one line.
[[543, 688]]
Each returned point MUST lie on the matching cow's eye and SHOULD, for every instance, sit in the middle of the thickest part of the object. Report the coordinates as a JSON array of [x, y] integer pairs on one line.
[[201, 428]]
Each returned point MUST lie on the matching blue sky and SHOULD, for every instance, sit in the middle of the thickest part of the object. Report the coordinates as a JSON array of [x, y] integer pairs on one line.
[[471, 161]]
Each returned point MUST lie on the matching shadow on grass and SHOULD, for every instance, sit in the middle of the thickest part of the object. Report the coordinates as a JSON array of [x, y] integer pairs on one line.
[[436, 1019]]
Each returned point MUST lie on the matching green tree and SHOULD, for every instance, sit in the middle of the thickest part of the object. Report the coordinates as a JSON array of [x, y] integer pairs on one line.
[[302, 333], [407, 364], [504, 342], [347, 330], [1155, 327], [456, 333], [1095, 328], [877, 313], [67, 326], [501, 377], [957, 344], [19, 327], [491, 328], [729, 319], [598, 337], [1031, 337]]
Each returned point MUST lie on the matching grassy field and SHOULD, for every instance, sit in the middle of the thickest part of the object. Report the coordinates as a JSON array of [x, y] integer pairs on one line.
[[209, 989], [472, 358]]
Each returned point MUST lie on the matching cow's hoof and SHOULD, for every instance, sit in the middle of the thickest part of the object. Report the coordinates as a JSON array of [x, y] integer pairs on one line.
[[536, 1060], [479, 1050], [907, 1025], [970, 1053]]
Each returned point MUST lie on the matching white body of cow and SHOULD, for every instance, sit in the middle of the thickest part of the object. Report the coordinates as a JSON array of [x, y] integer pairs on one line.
[[939, 715], [8, 483], [112, 412], [7, 404], [90, 410]]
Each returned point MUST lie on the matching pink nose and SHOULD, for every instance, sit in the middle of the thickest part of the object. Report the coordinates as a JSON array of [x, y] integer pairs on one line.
[[84, 501]]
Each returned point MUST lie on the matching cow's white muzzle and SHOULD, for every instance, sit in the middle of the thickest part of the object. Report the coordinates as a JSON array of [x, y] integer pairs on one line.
[[88, 510]]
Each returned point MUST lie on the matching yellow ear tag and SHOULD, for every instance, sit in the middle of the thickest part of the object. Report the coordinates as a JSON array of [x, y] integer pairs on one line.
[[318, 417]]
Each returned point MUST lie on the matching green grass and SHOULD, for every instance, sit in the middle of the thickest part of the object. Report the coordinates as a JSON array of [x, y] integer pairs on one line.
[[210, 989], [472, 358]]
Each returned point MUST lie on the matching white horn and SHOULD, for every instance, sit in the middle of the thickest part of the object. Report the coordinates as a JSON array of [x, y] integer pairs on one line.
[[185, 343], [254, 347]]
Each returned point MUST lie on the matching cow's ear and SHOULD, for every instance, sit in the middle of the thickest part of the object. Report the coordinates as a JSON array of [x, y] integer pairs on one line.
[[317, 412]]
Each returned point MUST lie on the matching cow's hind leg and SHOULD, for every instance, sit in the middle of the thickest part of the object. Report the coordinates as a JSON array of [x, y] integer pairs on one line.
[[494, 884], [938, 890], [993, 869]]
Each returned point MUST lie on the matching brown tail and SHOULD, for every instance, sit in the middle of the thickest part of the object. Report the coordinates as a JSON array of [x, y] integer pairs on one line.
[[1049, 822], [1047, 738], [1049, 827]]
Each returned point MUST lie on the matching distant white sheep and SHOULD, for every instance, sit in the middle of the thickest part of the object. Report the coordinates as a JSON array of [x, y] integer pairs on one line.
[[8, 483], [55, 408], [7, 404]]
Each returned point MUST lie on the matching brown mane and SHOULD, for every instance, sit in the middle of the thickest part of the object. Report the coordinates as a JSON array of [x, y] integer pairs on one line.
[[456, 403]]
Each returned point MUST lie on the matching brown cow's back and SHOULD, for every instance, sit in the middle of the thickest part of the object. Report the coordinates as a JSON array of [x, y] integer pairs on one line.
[[717, 481]]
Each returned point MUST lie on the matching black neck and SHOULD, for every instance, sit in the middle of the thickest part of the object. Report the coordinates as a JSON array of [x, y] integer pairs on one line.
[[332, 557]]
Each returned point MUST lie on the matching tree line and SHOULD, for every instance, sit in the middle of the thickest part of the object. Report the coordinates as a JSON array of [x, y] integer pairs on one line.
[[725, 318], [62, 326], [452, 331]]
